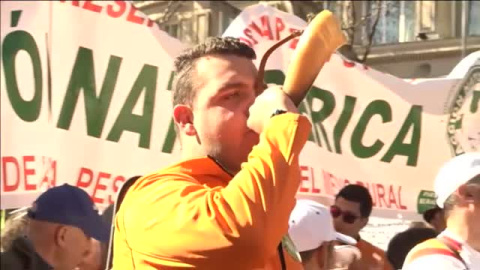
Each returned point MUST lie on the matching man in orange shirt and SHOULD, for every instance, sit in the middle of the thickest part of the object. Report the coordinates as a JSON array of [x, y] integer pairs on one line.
[[350, 212], [226, 205]]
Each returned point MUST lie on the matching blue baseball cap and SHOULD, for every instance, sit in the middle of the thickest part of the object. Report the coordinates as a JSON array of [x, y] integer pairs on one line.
[[70, 205]]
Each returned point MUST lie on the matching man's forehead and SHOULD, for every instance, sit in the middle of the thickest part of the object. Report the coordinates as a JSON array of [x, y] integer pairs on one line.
[[213, 66], [223, 68], [347, 203]]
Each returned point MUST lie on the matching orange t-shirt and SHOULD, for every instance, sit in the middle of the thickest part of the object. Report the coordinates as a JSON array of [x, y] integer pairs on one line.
[[195, 214], [373, 258]]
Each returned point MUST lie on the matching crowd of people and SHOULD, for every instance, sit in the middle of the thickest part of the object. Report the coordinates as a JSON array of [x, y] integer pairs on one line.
[[230, 203]]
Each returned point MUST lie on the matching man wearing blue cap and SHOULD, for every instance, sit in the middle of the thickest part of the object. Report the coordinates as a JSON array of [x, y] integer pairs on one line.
[[62, 222]]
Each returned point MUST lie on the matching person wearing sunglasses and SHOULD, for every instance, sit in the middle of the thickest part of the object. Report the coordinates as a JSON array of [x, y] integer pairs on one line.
[[311, 230], [350, 212], [457, 187]]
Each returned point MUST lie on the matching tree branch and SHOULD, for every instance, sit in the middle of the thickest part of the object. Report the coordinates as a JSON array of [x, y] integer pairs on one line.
[[353, 15], [372, 33], [362, 21], [170, 9]]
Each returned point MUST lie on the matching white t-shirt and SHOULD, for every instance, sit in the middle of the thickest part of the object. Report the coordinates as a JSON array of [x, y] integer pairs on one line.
[[444, 262]]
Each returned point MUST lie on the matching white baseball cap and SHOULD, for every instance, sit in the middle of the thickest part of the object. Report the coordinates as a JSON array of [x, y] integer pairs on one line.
[[454, 173], [311, 225]]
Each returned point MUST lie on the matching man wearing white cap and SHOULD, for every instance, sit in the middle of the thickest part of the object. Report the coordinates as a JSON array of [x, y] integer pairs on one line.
[[457, 187], [311, 230]]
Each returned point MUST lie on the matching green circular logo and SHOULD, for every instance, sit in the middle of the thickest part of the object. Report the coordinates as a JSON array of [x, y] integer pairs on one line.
[[463, 127]]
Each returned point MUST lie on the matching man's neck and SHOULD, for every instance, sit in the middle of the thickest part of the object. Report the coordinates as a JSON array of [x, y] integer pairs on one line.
[[461, 229], [356, 236]]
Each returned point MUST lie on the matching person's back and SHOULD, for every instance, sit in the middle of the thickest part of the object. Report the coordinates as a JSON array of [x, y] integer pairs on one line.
[[457, 187], [447, 251]]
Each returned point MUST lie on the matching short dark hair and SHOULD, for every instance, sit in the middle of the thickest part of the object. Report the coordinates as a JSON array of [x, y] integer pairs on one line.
[[183, 90], [431, 213], [359, 194], [403, 242]]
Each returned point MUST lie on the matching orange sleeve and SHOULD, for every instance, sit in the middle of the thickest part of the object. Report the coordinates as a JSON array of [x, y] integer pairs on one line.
[[182, 223], [262, 194], [372, 257]]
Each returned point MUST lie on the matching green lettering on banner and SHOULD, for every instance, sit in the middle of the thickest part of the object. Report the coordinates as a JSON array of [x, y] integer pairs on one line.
[[475, 102], [343, 120], [170, 138], [83, 79], [410, 150], [318, 116], [170, 81], [141, 124], [303, 110], [13, 43], [277, 77], [15, 17], [380, 107]]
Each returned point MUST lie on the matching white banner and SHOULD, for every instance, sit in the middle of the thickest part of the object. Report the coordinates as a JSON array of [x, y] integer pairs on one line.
[[85, 100], [369, 127], [100, 114]]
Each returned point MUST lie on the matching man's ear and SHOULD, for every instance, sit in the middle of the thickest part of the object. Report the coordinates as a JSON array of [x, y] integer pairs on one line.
[[61, 236], [183, 117], [466, 193]]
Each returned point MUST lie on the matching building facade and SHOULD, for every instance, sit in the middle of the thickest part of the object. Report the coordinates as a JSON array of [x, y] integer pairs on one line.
[[412, 39]]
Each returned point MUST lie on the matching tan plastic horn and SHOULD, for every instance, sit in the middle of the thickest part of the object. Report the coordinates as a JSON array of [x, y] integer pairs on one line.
[[317, 43]]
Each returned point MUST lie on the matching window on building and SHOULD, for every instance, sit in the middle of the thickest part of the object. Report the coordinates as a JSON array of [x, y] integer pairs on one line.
[[280, 5], [202, 27], [426, 13], [172, 30], [226, 19], [474, 18], [186, 33], [339, 8], [401, 21]]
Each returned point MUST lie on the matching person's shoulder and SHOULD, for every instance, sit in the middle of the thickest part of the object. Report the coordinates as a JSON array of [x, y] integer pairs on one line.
[[365, 245], [177, 174], [19, 255], [432, 253], [428, 244], [434, 261], [10, 260], [168, 183]]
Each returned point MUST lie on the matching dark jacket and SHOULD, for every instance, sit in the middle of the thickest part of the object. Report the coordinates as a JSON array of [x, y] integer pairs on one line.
[[22, 256]]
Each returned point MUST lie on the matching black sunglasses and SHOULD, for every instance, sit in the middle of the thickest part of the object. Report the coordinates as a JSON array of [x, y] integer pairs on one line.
[[347, 216]]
